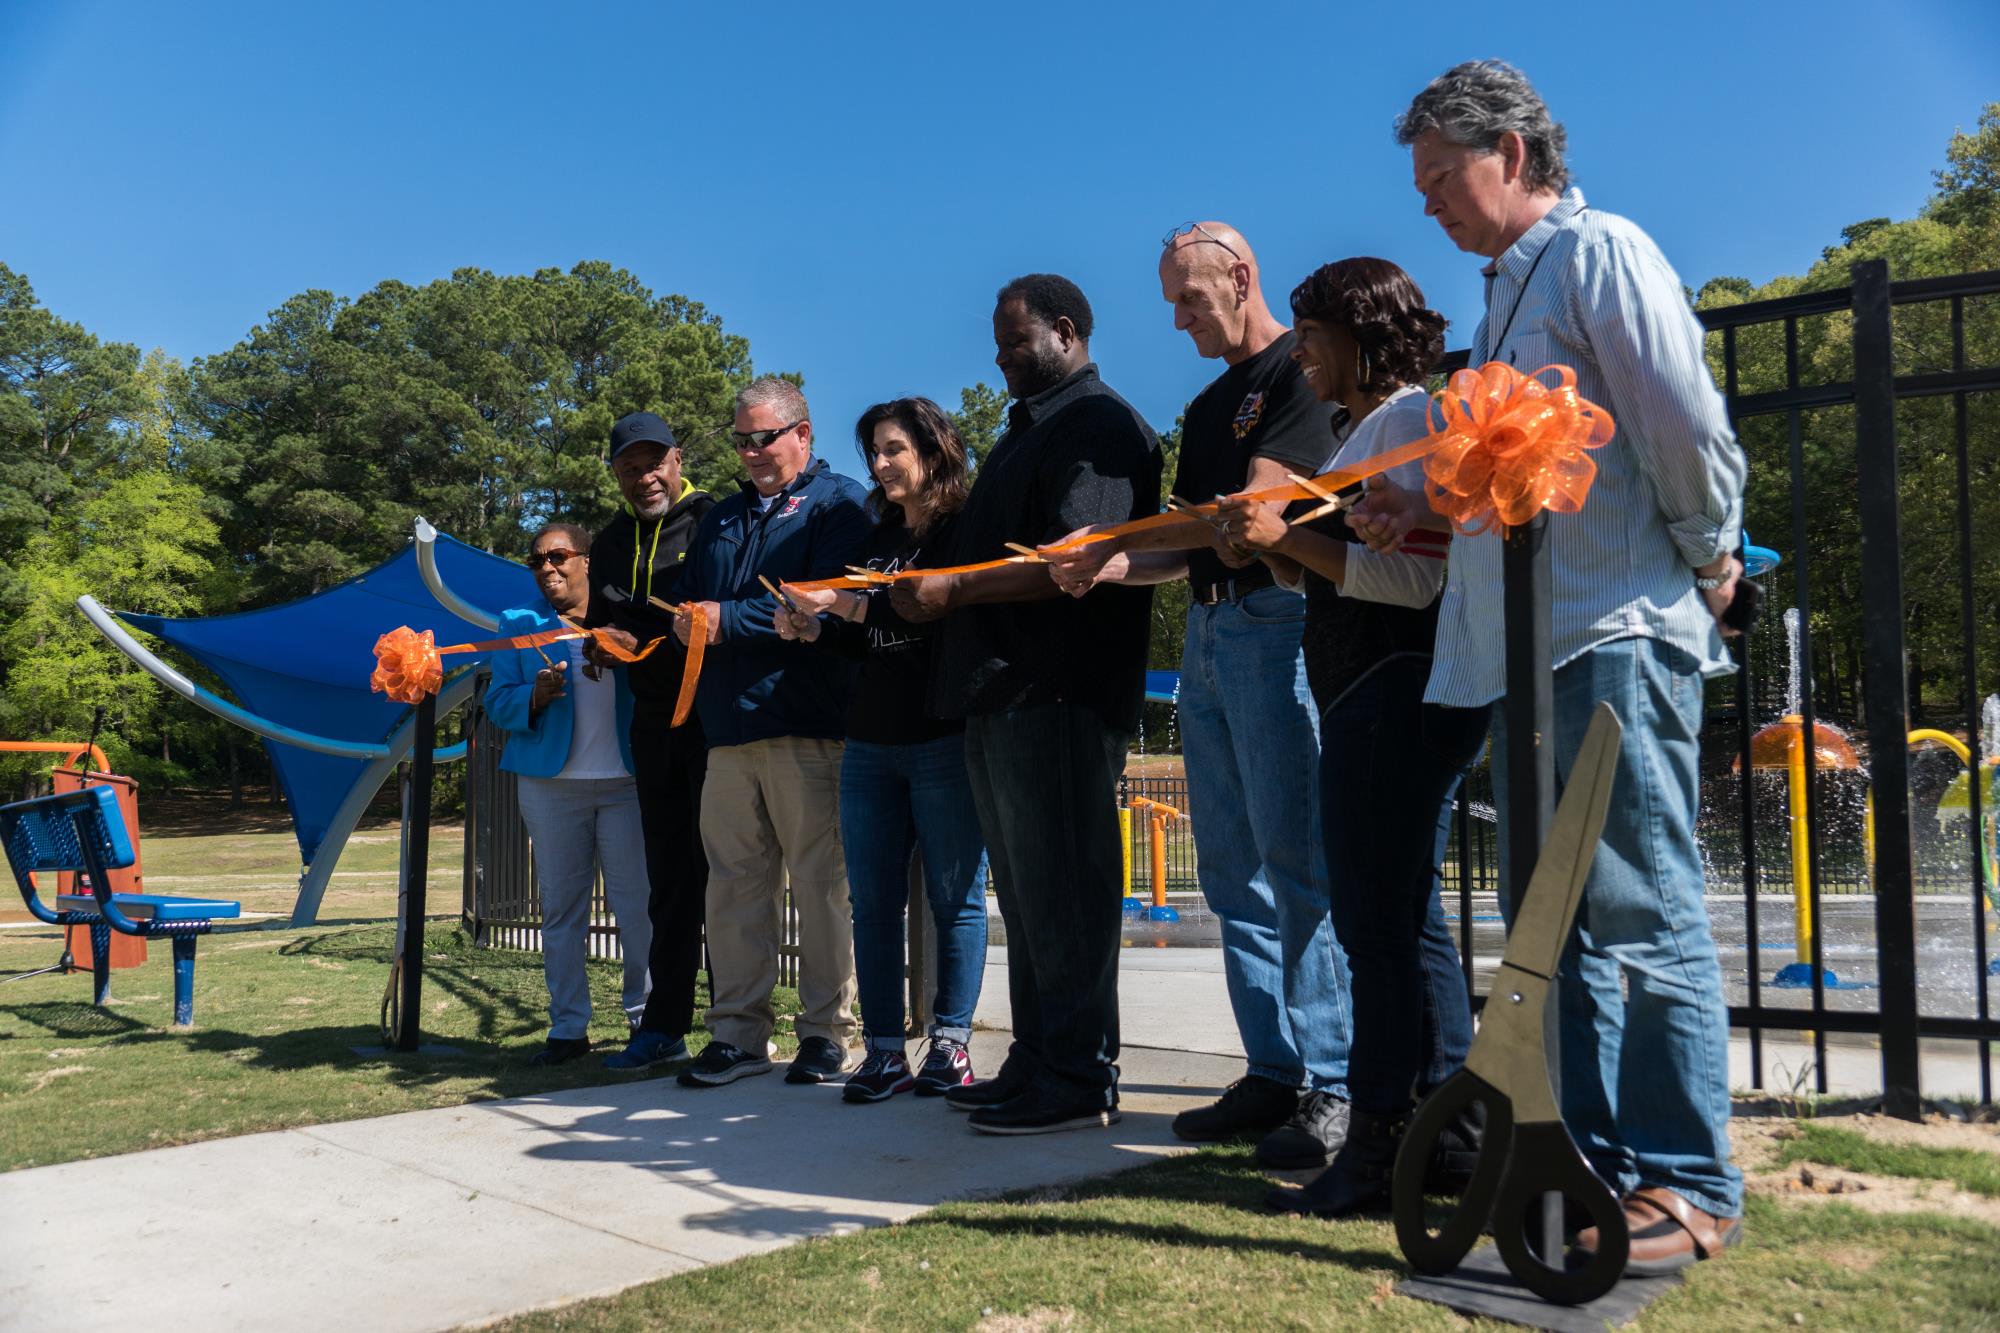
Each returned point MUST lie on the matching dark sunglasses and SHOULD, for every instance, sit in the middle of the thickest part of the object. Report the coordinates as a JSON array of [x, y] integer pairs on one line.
[[1189, 229], [555, 555], [761, 439]]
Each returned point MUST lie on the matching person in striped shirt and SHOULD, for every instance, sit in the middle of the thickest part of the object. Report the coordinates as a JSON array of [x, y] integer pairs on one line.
[[1642, 575]]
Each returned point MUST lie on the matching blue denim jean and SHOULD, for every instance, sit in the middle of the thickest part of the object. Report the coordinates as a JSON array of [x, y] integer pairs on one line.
[[1045, 783], [1645, 1028], [1389, 765], [895, 798], [1251, 736], [579, 827]]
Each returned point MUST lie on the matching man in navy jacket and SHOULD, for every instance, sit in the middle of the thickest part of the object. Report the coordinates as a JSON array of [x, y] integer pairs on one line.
[[772, 711]]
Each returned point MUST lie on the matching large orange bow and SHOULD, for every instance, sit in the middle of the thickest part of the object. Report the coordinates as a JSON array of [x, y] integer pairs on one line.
[[1512, 446]]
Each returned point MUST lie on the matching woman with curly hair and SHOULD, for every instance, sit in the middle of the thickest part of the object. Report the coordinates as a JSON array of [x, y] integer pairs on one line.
[[1389, 762], [903, 780]]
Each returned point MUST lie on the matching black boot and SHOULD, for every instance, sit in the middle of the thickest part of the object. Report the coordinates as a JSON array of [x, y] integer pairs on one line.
[[1358, 1178], [1452, 1161]]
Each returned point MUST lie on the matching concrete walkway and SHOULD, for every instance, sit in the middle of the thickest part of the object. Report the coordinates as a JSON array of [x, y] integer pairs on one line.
[[437, 1218]]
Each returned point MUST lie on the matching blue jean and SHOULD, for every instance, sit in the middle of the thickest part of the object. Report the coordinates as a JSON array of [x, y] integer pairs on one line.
[[1045, 783], [1645, 1075], [1251, 736], [580, 826], [1389, 766], [894, 798]]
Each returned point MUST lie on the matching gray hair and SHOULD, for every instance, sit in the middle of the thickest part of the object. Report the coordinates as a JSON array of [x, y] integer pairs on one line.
[[780, 395], [1473, 104]]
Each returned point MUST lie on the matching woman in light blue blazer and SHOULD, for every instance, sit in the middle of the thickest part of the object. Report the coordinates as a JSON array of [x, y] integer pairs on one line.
[[568, 744]]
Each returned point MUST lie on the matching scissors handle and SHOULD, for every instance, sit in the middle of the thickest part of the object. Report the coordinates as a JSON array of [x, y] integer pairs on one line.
[[1545, 1160], [1441, 1253]]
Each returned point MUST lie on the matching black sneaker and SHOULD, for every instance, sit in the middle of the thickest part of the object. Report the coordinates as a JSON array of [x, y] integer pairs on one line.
[[1009, 1083], [1251, 1106], [947, 1067], [1311, 1137], [561, 1050], [818, 1060], [882, 1075], [721, 1063], [1042, 1111]]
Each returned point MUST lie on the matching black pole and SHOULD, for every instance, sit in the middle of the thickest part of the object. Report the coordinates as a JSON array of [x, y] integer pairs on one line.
[[416, 864], [1531, 764], [1887, 686]]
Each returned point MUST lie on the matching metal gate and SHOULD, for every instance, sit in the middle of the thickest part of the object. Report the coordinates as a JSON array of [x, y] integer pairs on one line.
[[1882, 392]]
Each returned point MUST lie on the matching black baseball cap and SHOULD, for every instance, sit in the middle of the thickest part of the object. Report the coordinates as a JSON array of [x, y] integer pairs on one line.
[[640, 428]]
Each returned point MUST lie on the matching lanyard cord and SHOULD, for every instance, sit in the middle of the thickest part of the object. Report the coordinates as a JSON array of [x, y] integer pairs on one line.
[[1493, 347], [658, 523]]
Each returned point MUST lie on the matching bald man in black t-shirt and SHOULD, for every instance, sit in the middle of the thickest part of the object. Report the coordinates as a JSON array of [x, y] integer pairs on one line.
[[1247, 721]]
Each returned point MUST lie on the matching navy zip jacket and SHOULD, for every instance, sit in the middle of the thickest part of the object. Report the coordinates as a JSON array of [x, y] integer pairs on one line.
[[754, 685]]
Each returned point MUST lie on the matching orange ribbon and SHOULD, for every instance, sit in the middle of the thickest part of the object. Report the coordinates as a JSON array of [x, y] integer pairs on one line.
[[1512, 446], [408, 664]]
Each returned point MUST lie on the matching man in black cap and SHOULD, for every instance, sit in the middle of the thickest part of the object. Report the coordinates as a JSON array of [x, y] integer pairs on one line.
[[634, 564]]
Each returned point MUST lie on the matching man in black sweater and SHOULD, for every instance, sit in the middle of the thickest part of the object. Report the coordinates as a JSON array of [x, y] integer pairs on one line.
[[1050, 690], [635, 559]]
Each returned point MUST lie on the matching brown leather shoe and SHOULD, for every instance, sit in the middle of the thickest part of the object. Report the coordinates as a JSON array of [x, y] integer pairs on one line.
[[1668, 1232]]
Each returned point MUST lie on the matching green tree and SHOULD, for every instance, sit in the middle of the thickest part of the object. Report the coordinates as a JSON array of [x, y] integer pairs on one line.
[[1957, 230], [483, 402], [143, 542], [61, 393], [981, 419]]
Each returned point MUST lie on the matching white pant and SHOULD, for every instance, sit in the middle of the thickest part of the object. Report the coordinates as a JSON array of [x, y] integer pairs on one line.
[[580, 826]]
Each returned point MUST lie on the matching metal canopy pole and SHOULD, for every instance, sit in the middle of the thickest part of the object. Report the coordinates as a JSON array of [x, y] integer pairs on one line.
[[416, 866]]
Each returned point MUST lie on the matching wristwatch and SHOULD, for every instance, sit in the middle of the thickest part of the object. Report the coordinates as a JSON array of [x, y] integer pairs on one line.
[[1710, 582]]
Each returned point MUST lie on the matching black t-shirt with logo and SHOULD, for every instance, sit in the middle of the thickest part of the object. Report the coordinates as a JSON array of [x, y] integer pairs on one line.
[[1074, 455], [1260, 407]]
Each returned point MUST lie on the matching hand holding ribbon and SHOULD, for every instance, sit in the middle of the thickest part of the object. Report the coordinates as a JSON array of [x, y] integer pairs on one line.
[[409, 665], [1510, 447]]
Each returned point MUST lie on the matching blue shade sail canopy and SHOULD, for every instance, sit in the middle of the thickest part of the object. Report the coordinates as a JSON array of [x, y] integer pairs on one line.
[[305, 664]]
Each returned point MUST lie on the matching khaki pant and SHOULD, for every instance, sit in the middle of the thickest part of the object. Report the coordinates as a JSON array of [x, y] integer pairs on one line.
[[770, 808]]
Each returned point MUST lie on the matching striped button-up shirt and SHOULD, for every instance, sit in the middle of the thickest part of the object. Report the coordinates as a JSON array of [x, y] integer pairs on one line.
[[1591, 291]]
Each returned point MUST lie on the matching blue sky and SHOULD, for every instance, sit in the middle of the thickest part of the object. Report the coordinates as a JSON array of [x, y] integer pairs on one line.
[[847, 185]]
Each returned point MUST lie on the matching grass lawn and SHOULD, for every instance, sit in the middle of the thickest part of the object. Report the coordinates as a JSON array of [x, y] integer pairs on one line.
[[1180, 1245], [277, 1014], [1828, 1145]]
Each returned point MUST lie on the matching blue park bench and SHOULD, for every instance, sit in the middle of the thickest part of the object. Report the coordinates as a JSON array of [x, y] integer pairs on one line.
[[82, 831]]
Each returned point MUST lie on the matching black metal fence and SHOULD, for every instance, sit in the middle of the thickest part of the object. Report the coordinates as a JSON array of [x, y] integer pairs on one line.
[[1873, 436]]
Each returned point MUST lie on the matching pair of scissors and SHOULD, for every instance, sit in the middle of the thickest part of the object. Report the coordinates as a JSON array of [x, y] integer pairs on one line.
[[1526, 1153]]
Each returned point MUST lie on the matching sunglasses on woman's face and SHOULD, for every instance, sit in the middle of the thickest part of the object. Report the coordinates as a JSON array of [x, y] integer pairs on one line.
[[555, 555]]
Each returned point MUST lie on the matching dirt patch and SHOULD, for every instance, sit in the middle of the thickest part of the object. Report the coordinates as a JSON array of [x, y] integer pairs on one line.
[[1759, 1132], [1874, 1194], [1038, 1319], [48, 1076]]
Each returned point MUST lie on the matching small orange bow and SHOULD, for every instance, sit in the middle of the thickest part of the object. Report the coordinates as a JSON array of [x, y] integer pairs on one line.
[[407, 666]]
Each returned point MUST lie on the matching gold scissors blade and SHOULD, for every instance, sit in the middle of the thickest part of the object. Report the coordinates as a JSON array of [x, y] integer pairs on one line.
[[1548, 909]]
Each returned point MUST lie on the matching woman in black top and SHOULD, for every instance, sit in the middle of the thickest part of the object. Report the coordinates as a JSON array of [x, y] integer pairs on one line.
[[903, 779], [1389, 762]]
